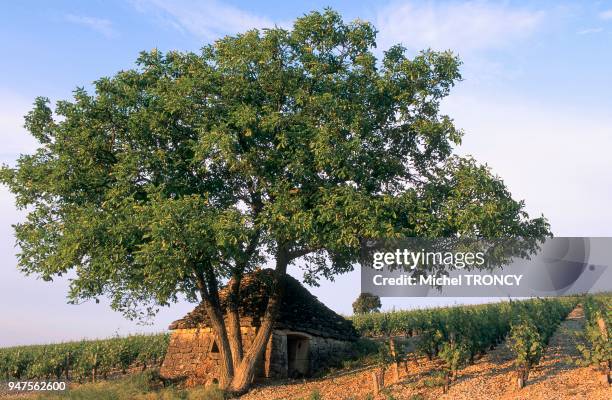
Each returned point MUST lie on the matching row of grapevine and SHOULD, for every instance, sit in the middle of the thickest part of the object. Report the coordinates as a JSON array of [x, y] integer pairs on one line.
[[597, 351], [416, 322], [457, 334], [532, 326], [84, 360]]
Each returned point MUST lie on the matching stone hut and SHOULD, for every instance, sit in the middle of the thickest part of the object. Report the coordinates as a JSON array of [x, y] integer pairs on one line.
[[307, 336]]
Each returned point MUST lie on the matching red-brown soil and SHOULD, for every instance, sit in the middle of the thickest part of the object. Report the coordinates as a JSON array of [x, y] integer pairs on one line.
[[489, 378]]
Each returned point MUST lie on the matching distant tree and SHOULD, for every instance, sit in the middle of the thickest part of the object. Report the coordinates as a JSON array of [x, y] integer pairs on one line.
[[366, 303], [278, 144]]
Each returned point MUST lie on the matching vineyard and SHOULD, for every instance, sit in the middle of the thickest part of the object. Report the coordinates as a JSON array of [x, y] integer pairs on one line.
[[597, 351], [445, 346], [84, 360], [507, 350], [456, 335]]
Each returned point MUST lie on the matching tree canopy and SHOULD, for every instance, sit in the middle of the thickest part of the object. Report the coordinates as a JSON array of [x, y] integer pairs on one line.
[[273, 144], [366, 303]]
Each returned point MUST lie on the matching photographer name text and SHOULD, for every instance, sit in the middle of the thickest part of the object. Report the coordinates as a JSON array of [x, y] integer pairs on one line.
[[461, 280]]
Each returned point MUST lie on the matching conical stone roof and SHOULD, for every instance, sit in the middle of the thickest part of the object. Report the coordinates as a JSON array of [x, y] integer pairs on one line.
[[300, 310]]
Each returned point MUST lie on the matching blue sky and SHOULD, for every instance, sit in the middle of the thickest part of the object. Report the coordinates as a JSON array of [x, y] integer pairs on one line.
[[535, 106]]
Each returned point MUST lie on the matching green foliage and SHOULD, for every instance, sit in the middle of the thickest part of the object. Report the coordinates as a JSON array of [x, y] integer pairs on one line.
[[533, 324], [458, 334], [83, 360], [276, 142], [437, 379], [315, 395], [208, 393], [363, 352], [140, 386], [366, 303], [455, 355], [597, 331], [526, 342], [364, 347], [383, 356], [479, 326], [388, 395]]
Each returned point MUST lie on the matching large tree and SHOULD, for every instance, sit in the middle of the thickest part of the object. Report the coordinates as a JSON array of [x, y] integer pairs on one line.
[[272, 145]]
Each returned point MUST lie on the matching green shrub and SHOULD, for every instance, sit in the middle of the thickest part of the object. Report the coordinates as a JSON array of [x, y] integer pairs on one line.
[[366, 303], [526, 342], [84, 360], [315, 395], [597, 351]]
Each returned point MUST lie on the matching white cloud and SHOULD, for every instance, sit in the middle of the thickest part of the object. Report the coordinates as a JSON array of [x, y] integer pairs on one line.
[[207, 19], [462, 27], [588, 31], [100, 25], [606, 14]]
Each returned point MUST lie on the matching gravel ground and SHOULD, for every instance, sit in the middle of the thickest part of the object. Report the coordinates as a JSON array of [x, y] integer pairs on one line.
[[351, 386], [490, 378], [556, 377]]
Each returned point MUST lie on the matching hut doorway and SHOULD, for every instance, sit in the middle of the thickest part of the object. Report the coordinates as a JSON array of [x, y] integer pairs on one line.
[[297, 355]]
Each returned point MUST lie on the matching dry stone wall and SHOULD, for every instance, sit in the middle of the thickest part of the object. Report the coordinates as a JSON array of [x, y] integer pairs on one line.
[[190, 355], [326, 352]]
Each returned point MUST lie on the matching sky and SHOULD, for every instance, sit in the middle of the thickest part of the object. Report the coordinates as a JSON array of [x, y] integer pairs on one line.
[[534, 105]]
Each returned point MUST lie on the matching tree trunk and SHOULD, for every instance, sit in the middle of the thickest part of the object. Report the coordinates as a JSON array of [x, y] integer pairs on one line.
[[218, 327], [95, 367], [233, 322], [603, 329], [604, 369], [377, 382], [67, 368], [245, 372], [235, 336], [233, 315], [447, 379], [522, 375], [207, 285], [605, 365], [394, 356]]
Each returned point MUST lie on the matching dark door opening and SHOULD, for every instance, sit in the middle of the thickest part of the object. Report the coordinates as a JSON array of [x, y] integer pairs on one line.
[[297, 356]]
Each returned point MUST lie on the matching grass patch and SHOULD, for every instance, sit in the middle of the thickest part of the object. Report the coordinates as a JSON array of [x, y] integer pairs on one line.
[[142, 386], [315, 395], [388, 395], [364, 352], [435, 380]]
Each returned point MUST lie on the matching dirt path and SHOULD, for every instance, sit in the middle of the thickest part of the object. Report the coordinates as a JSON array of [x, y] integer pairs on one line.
[[352, 386], [490, 378], [556, 377]]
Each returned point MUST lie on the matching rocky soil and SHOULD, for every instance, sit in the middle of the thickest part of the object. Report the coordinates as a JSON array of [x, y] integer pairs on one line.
[[491, 377]]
